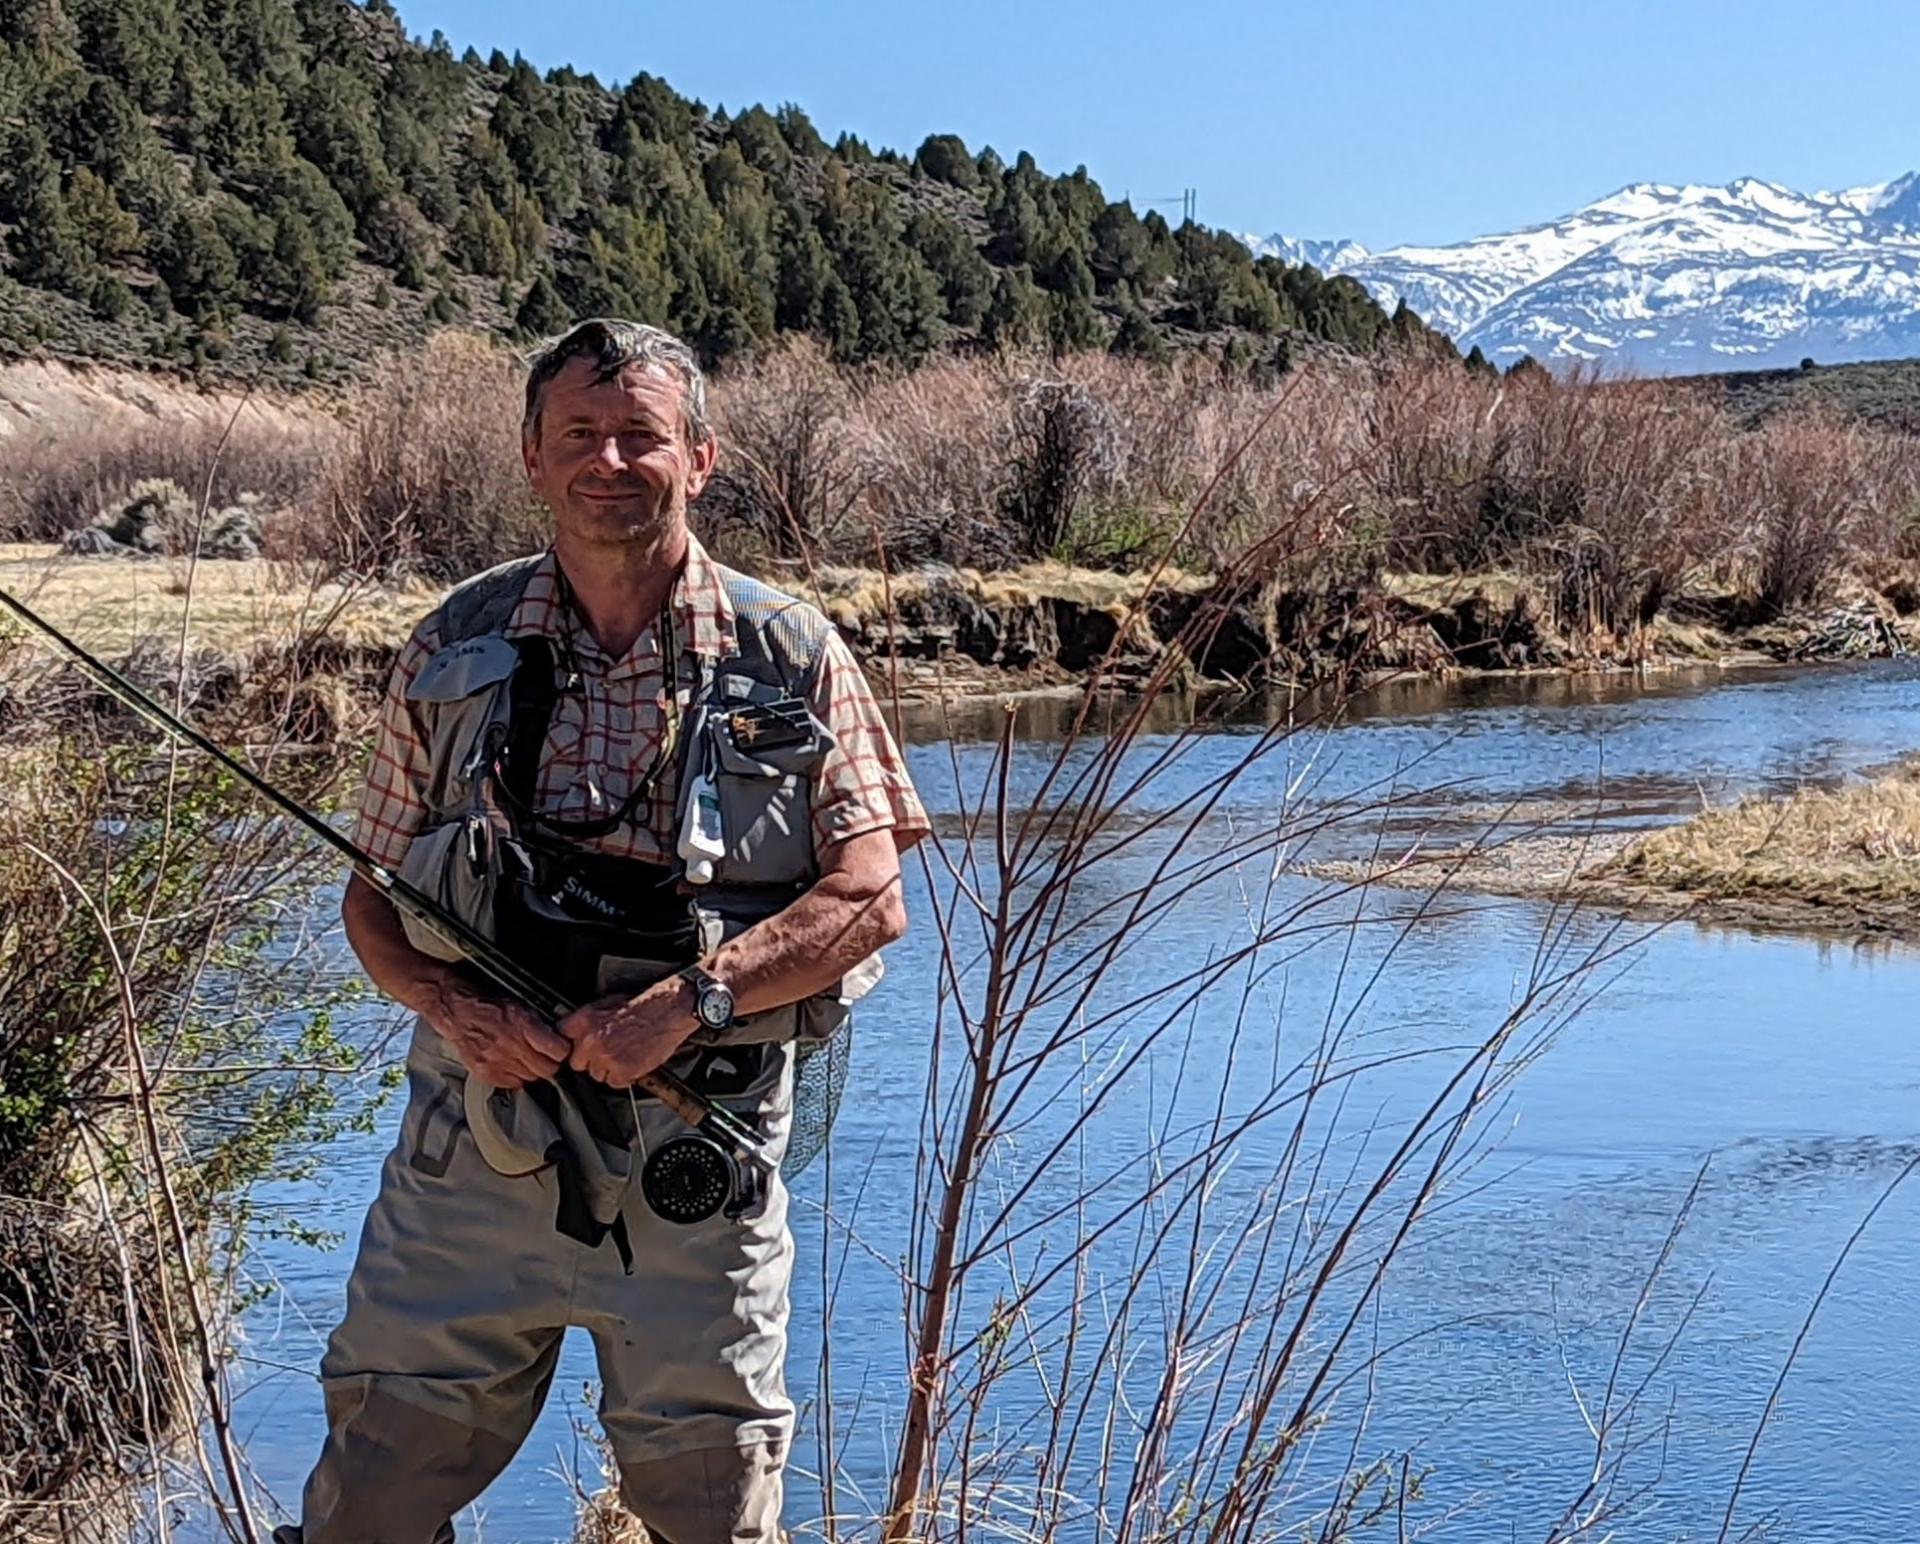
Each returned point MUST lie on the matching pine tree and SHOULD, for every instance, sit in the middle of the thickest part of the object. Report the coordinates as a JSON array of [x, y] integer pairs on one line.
[[1017, 317], [542, 314], [198, 266], [535, 129], [44, 247], [945, 158], [1137, 337], [294, 274], [802, 138], [106, 231], [526, 230], [1405, 326], [336, 121], [803, 271], [111, 299], [839, 319], [1478, 363], [482, 242], [1072, 322], [756, 135], [965, 277], [398, 235]]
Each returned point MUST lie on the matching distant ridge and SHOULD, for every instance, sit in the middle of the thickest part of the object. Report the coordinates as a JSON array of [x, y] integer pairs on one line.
[[1669, 279]]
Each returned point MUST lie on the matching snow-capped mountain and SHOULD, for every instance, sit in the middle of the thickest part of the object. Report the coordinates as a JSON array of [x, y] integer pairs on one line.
[[1670, 279]]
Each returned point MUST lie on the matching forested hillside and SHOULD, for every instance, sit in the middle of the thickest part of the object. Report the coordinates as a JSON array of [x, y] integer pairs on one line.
[[297, 184]]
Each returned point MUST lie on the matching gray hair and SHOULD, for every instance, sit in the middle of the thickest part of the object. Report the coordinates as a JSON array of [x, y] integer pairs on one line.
[[613, 345]]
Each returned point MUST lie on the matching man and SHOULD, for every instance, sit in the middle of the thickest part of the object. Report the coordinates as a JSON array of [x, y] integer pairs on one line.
[[560, 736]]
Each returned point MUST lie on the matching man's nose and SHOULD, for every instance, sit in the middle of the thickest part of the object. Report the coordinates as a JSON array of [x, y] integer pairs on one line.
[[607, 458]]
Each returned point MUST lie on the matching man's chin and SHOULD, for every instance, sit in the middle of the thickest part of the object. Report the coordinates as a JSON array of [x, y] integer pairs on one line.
[[617, 520]]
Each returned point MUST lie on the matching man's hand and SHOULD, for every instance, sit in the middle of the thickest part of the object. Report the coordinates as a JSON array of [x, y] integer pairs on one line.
[[619, 1040], [496, 1038]]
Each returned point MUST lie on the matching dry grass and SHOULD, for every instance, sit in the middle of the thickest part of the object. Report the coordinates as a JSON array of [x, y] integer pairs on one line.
[[1859, 843], [856, 595], [108, 604]]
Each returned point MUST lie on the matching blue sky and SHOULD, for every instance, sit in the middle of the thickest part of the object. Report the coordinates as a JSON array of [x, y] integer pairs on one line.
[[1384, 120]]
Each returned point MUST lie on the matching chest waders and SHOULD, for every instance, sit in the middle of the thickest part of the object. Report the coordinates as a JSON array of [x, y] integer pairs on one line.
[[592, 924]]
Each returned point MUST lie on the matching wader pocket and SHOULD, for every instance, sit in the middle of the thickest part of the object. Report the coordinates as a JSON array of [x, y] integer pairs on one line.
[[729, 1072], [434, 1126], [765, 802]]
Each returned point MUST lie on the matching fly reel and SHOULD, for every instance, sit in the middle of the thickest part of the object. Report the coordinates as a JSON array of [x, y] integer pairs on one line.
[[690, 1177]]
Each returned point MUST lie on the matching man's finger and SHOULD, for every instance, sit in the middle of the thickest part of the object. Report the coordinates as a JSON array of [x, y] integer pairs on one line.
[[550, 1044]]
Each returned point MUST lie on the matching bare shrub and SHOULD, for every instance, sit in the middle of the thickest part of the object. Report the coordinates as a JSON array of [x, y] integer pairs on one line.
[[1064, 448], [931, 448], [1137, 1299], [427, 477], [1800, 494], [1599, 480], [55, 482], [1435, 439], [148, 1079], [789, 470]]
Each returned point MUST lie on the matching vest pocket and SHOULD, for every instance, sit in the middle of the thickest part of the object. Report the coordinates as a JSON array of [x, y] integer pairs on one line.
[[451, 864], [765, 804]]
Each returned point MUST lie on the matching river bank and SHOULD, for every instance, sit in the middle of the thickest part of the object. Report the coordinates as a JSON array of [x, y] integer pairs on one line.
[[939, 633], [1823, 860]]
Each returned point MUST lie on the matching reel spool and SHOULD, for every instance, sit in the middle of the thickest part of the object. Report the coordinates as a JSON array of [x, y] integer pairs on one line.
[[690, 1177]]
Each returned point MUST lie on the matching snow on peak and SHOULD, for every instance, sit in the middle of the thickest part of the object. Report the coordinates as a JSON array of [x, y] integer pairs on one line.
[[1669, 277]]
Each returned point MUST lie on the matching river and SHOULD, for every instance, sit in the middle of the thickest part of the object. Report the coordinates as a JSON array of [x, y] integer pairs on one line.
[[1788, 1067]]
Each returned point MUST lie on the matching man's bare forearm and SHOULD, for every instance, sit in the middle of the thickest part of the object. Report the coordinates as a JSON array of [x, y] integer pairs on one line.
[[807, 948], [414, 980]]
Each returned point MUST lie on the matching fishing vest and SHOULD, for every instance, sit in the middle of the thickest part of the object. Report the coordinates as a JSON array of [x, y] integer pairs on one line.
[[592, 924]]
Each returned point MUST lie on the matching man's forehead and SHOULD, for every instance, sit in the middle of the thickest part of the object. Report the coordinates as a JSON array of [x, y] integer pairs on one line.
[[581, 381]]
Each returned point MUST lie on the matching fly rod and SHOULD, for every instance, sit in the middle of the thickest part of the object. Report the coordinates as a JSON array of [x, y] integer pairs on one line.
[[711, 1120]]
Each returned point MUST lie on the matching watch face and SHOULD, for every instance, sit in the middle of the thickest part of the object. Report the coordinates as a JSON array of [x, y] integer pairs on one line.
[[715, 1006]]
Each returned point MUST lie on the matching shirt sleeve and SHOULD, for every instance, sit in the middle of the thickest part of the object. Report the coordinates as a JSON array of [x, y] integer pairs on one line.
[[862, 785], [394, 806]]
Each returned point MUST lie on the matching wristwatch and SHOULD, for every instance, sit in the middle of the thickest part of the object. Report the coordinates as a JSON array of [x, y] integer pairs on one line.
[[712, 999]]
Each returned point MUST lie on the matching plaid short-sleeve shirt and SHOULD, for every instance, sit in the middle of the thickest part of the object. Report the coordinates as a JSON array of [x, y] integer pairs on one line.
[[604, 737]]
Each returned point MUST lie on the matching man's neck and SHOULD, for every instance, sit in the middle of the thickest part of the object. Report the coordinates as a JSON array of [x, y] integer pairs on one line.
[[622, 589]]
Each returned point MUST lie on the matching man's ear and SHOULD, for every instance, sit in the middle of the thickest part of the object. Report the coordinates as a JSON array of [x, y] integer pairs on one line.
[[700, 465], [530, 456]]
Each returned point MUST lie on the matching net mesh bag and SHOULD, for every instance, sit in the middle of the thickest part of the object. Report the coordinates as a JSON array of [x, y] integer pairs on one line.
[[819, 1078]]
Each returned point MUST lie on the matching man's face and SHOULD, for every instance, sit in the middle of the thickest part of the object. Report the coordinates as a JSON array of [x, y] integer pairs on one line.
[[611, 458]]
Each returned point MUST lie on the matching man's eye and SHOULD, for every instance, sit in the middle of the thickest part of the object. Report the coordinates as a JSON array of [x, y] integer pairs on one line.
[[576, 434]]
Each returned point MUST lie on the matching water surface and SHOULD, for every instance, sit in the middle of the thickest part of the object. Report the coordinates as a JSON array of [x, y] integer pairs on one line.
[[1787, 1067]]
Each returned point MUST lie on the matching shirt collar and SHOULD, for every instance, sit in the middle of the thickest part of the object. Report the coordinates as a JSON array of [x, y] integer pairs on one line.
[[703, 616]]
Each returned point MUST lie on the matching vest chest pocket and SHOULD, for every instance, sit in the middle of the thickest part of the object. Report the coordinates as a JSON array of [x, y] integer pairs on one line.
[[461, 696], [766, 798]]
